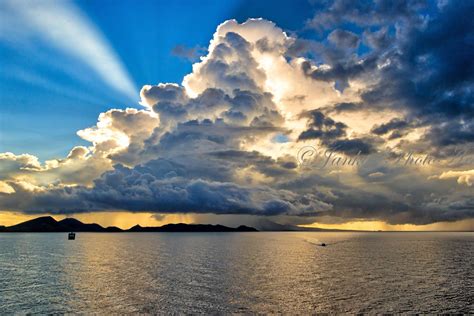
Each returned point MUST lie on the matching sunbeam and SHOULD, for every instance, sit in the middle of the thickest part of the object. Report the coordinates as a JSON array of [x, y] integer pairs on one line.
[[59, 22]]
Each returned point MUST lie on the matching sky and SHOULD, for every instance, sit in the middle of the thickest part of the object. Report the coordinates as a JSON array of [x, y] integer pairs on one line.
[[333, 114]]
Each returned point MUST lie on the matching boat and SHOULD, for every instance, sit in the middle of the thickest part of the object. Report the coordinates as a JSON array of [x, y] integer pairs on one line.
[[71, 236]]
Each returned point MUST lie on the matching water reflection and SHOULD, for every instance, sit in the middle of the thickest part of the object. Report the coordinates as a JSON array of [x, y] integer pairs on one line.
[[229, 272]]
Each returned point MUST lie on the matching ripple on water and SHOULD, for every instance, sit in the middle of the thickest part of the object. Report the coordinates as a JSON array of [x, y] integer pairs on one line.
[[243, 273]]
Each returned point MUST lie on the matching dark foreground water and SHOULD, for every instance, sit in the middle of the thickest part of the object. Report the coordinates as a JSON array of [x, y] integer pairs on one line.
[[237, 272]]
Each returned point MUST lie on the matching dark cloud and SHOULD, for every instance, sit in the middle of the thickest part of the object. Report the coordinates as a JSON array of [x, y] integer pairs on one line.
[[452, 133], [352, 146], [344, 39], [166, 187], [300, 47], [343, 107], [423, 65], [331, 134], [416, 201], [188, 53], [342, 69], [322, 127], [394, 124], [396, 134], [439, 55], [379, 39], [366, 13], [432, 74]]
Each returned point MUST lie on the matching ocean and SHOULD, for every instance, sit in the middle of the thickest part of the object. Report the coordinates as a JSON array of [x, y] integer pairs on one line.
[[263, 272]]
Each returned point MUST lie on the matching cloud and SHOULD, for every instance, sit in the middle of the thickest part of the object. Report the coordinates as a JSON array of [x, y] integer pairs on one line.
[[344, 39], [353, 146], [331, 134], [379, 39], [376, 174], [213, 143], [5, 188], [463, 177], [451, 132], [394, 124], [418, 67], [322, 127], [11, 162], [366, 13], [162, 186], [188, 53], [438, 93]]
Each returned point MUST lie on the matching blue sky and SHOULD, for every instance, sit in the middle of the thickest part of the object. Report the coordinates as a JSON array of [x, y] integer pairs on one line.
[[47, 95]]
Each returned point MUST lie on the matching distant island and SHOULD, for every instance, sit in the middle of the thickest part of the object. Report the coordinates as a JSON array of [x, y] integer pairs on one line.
[[48, 224]]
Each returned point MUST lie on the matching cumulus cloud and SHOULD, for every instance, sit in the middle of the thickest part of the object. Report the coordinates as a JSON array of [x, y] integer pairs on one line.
[[11, 162], [225, 139]]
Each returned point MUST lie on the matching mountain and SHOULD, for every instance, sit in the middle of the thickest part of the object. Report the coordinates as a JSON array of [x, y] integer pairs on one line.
[[192, 228], [267, 225], [40, 224], [49, 224], [74, 225]]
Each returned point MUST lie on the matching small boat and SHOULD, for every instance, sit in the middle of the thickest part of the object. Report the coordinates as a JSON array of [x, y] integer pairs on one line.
[[71, 236]]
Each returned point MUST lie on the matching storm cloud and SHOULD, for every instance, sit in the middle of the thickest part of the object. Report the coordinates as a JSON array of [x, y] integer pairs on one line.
[[225, 139]]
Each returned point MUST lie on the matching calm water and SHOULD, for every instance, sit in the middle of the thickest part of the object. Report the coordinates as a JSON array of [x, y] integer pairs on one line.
[[237, 272]]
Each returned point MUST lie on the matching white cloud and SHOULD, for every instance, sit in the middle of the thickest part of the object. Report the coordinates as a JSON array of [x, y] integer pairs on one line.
[[6, 188], [207, 145], [465, 177]]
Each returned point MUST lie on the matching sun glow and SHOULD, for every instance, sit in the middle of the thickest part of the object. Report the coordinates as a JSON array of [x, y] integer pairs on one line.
[[463, 225]]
